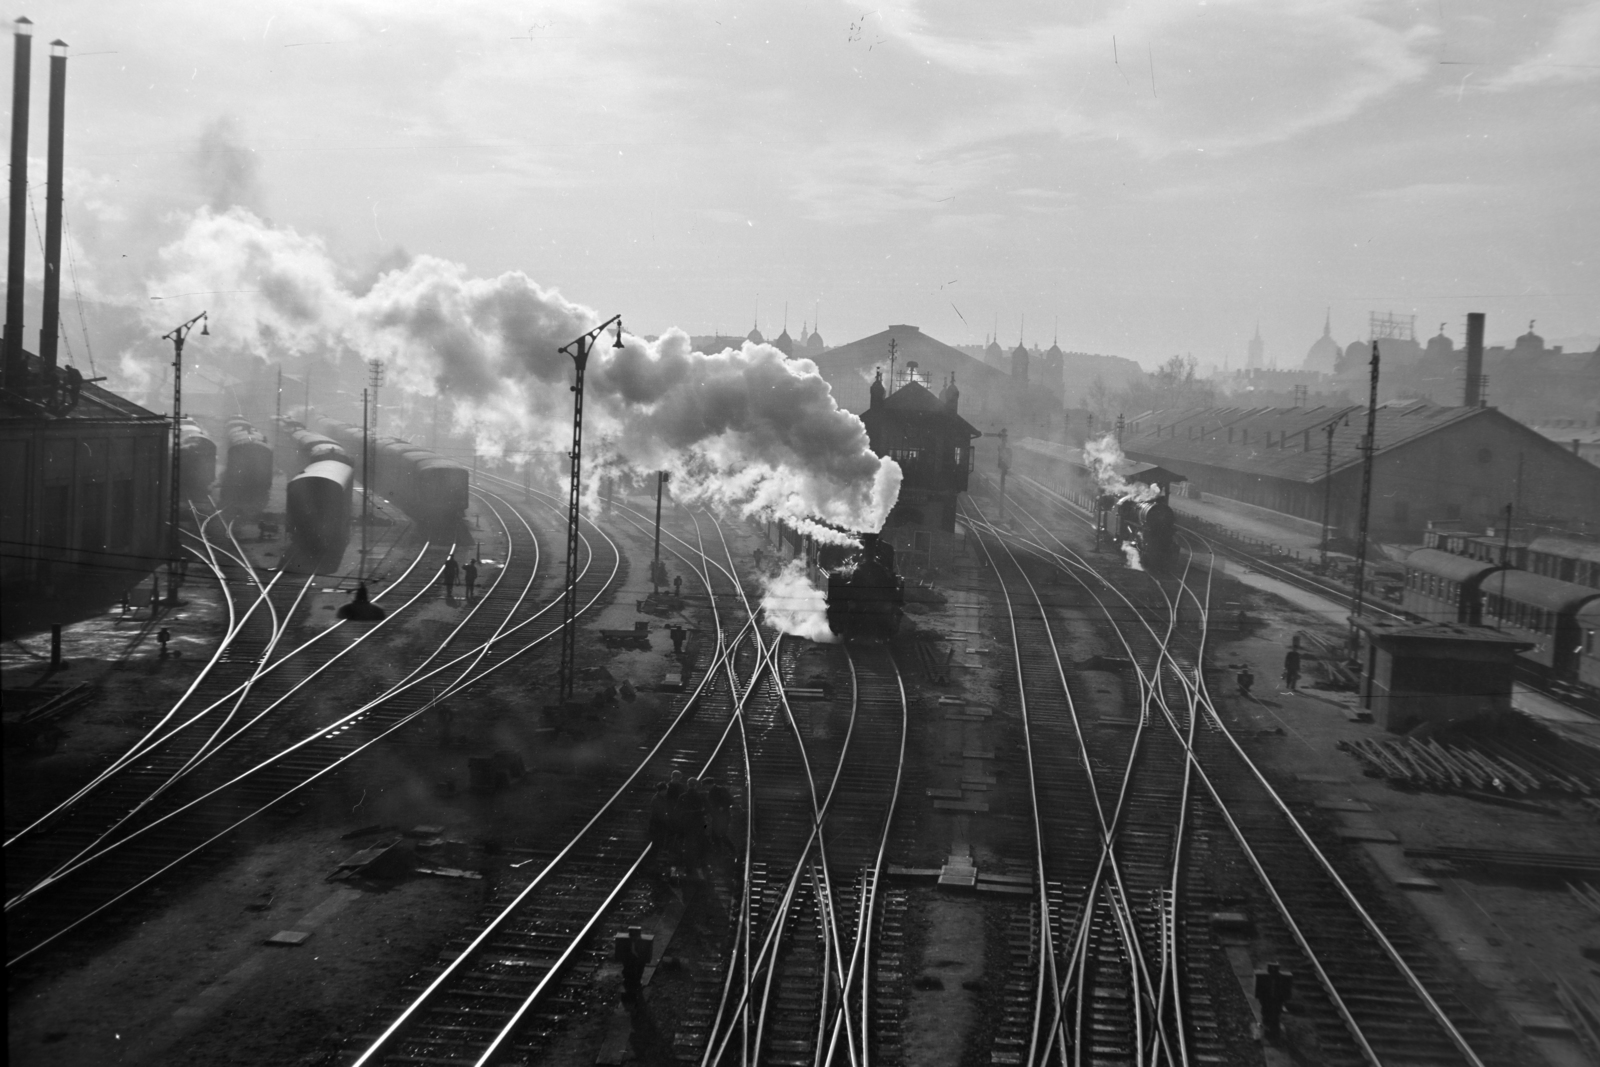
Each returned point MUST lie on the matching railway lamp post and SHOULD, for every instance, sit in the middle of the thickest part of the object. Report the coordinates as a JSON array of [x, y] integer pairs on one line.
[[177, 336], [579, 350]]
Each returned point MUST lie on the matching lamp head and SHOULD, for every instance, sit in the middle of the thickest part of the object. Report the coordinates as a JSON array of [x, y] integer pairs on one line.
[[205, 325], [618, 342]]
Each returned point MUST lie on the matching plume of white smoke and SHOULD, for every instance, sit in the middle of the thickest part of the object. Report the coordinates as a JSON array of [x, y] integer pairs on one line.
[[1106, 462], [744, 430], [1130, 551], [795, 606]]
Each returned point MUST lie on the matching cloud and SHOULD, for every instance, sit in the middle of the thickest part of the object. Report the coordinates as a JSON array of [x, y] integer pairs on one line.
[[1573, 54]]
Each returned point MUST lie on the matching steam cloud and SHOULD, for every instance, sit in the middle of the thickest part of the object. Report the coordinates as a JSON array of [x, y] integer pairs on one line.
[[743, 430], [795, 606], [1106, 461]]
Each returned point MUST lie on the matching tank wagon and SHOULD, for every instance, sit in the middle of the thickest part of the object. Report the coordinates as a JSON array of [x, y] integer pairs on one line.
[[318, 512], [247, 476], [430, 489], [1560, 619], [866, 595], [197, 461]]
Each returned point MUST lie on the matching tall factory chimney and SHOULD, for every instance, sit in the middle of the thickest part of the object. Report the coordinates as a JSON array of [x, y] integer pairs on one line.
[[48, 323], [16, 260], [1474, 394]]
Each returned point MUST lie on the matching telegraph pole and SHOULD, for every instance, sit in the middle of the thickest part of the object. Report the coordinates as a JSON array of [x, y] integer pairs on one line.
[[366, 488], [374, 380], [1005, 466], [658, 573], [1368, 447], [1327, 495], [579, 350], [177, 336]]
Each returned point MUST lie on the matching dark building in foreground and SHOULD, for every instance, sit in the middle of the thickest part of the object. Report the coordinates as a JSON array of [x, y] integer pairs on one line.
[[83, 504], [82, 471], [933, 445], [1430, 463]]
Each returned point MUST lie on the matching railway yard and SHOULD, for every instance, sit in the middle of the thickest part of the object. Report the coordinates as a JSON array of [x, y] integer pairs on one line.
[[1039, 826]]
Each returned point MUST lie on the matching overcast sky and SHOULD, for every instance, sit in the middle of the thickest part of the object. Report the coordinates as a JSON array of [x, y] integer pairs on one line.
[[1155, 176]]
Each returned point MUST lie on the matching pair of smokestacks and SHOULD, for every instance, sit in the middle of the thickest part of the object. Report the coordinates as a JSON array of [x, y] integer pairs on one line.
[[15, 361]]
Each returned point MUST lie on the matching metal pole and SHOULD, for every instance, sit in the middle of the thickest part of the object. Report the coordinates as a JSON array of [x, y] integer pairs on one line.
[[579, 351], [1368, 446], [569, 607], [655, 565], [366, 488], [17, 248], [177, 438], [1327, 494]]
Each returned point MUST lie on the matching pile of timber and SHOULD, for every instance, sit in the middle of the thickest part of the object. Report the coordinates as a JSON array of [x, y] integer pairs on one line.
[[1503, 766]]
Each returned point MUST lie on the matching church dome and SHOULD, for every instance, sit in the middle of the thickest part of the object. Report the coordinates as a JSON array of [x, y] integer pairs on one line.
[[1530, 341], [754, 336], [814, 342], [1323, 356], [1440, 346], [784, 343]]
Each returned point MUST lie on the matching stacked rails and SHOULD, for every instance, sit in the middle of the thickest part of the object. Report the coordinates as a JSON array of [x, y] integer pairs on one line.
[[247, 476], [430, 489], [197, 461]]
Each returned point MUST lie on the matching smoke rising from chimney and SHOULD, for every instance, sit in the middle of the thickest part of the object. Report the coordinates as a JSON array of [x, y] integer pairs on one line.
[[227, 171], [744, 430]]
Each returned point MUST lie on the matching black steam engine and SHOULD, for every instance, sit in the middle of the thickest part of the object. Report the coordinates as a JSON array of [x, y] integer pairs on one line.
[[866, 595], [197, 462], [1148, 525]]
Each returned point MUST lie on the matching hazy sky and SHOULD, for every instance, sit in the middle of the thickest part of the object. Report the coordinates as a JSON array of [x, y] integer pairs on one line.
[[1157, 176]]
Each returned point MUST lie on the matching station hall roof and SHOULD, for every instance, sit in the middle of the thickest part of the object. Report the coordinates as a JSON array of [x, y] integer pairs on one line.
[[910, 344], [1286, 443], [1132, 470], [94, 405]]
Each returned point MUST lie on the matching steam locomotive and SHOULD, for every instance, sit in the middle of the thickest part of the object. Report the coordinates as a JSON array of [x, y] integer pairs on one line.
[[430, 489], [1148, 525], [247, 477], [866, 596], [197, 461]]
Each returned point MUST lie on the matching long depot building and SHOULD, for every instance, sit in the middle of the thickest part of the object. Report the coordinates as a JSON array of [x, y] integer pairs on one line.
[[1431, 463]]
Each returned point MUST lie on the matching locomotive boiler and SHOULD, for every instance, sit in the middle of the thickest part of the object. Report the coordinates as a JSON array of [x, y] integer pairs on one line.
[[866, 595]]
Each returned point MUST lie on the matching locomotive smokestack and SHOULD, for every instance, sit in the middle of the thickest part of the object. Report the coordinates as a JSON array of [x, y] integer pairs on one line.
[[21, 68], [1474, 391], [48, 323]]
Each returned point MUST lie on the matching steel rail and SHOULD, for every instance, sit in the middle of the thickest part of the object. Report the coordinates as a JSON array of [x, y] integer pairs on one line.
[[422, 1002]]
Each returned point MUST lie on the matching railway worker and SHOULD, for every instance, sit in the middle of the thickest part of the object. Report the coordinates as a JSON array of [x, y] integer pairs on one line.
[[1246, 679], [1274, 989], [633, 950], [469, 578], [677, 633], [1291, 665], [719, 802], [163, 637], [448, 576], [660, 825], [692, 827], [677, 585]]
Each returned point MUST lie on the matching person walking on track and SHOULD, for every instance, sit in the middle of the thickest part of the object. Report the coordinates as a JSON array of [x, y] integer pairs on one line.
[[469, 578], [1291, 665], [448, 576]]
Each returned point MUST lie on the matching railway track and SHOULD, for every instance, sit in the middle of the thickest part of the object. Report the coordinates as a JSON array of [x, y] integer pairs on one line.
[[228, 788], [1381, 999]]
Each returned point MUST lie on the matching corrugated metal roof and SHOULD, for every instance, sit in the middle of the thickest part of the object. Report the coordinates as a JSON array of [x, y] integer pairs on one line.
[[1288, 443], [94, 404], [1447, 565]]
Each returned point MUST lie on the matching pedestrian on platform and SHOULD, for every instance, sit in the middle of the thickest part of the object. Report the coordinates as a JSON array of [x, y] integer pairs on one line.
[[719, 803], [1246, 679], [677, 639], [677, 585], [1291, 666], [448, 576], [163, 637], [469, 578], [1274, 989], [692, 827]]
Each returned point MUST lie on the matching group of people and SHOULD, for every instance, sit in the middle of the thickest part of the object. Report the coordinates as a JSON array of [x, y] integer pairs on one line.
[[466, 572], [1291, 671], [687, 821]]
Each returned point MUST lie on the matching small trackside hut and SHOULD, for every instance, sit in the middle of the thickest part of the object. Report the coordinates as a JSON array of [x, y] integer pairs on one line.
[[1436, 674]]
